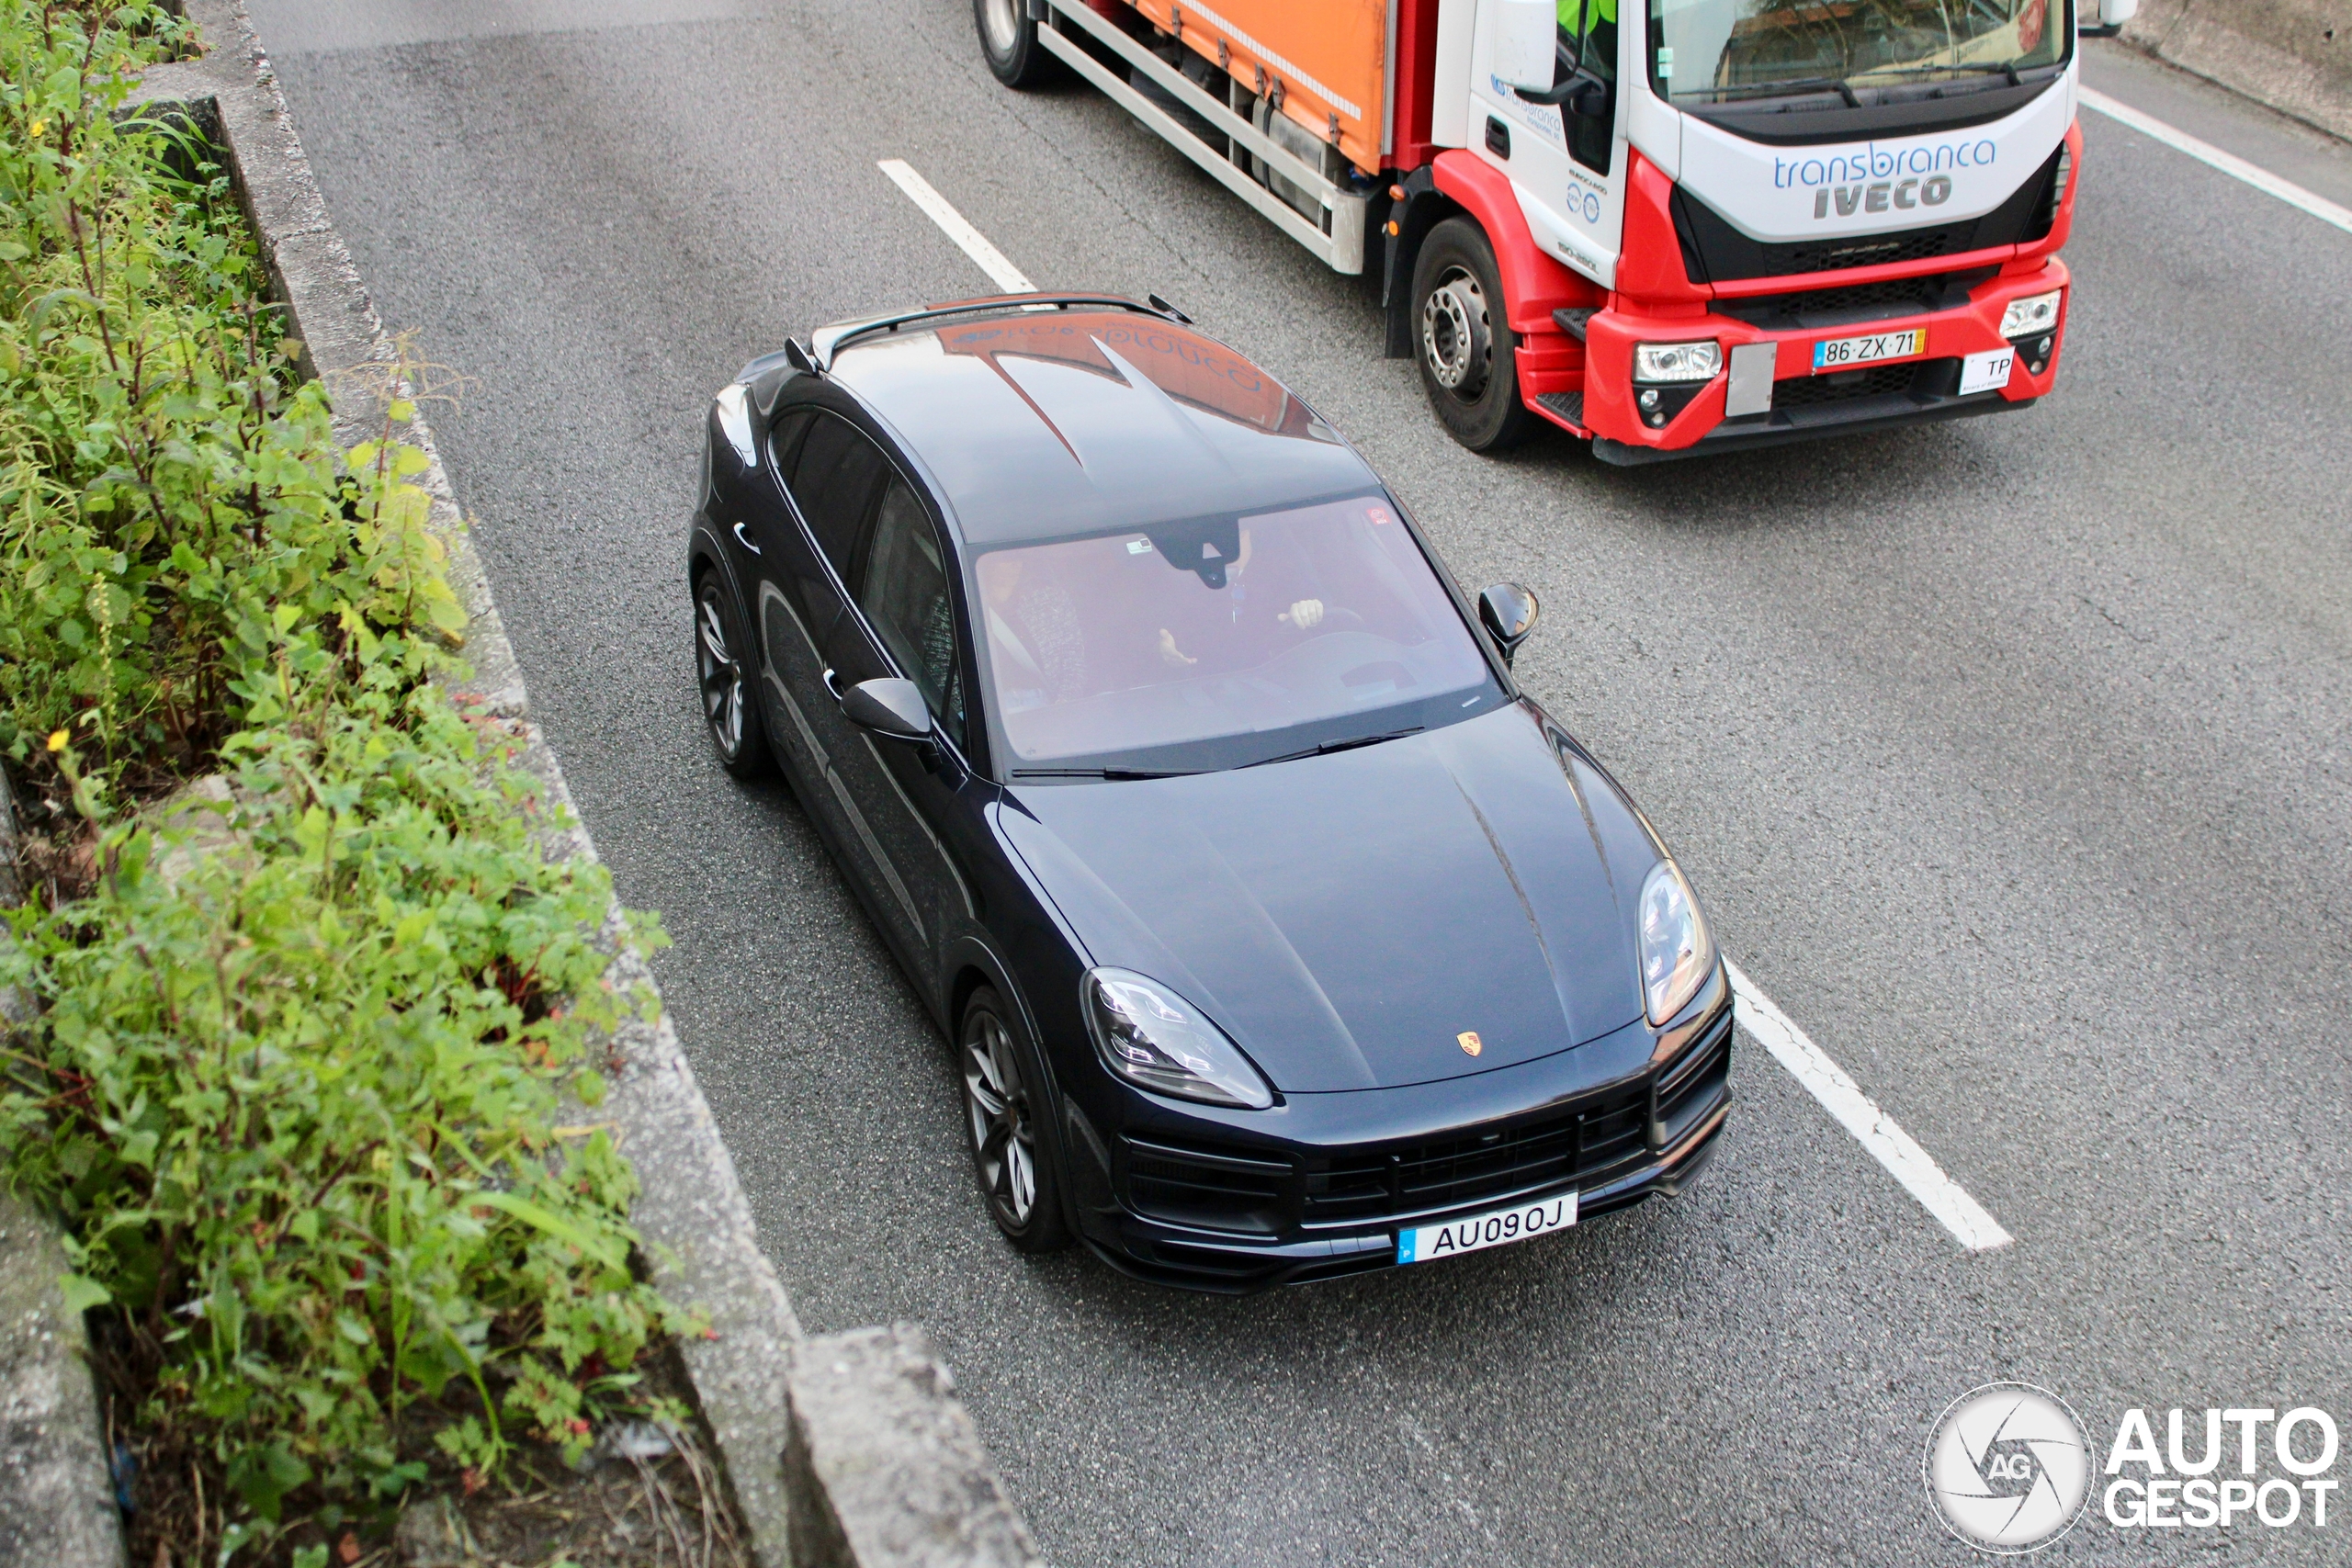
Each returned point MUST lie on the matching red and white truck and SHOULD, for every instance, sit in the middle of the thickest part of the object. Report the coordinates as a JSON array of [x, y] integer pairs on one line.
[[1668, 226]]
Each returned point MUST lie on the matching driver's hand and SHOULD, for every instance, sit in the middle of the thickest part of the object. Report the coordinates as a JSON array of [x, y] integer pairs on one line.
[[1170, 654], [1307, 615]]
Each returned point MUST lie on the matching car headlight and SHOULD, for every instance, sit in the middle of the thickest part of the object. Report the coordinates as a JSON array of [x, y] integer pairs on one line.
[[1152, 1038], [1677, 361], [2034, 313], [1676, 953]]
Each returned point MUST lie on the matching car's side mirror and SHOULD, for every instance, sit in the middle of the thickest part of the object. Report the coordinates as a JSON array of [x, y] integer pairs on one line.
[[891, 707], [1508, 612]]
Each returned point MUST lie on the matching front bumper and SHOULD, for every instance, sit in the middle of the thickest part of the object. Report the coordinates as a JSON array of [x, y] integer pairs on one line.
[[1918, 389], [1326, 1181]]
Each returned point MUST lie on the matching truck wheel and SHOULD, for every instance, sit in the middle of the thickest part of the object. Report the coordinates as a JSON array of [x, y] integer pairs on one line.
[[1008, 39], [1468, 361]]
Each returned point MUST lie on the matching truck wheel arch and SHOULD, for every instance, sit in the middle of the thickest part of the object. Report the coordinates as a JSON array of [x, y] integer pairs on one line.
[[1533, 283]]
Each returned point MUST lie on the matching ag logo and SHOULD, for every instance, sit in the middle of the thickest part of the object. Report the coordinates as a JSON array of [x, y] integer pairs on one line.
[[1468, 1040], [2008, 1467]]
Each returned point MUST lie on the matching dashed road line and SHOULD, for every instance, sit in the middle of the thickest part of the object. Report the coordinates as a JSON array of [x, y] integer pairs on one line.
[[1877, 1132], [956, 227], [2228, 164]]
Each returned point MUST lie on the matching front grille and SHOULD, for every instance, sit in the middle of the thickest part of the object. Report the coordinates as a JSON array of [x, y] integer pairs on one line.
[[1214, 1189], [1691, 1086], [1716, 250], [1846, 386], [1474, 1167], [1854, 303]]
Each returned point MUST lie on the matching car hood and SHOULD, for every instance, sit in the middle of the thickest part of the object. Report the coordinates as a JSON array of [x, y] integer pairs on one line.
[[1348, 918]]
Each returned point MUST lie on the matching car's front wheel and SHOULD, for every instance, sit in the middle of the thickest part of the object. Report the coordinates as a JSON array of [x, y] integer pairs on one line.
[[1003, 1105], [1009, 39], [731, 709]]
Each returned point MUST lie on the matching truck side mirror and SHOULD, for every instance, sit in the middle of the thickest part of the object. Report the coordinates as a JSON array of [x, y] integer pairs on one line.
[[1523, 42], [1508, 612], [2112, 14]]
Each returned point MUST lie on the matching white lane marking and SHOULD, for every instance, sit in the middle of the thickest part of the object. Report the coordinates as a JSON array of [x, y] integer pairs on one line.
[[953, 224], [2228, 164], [1889, 1143]]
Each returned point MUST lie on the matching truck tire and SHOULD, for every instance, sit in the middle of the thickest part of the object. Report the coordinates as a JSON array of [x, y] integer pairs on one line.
[[1009, 39], [1467, 352]]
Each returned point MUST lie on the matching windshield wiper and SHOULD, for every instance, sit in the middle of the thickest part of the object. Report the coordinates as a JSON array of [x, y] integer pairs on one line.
[[2006, 68], [1115, 774], [1837, 85], [1326, 748]]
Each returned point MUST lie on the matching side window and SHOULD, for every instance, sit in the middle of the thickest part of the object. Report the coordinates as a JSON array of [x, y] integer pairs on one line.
[[906, 600], [784, 442], [833, 482], [1588, 41]]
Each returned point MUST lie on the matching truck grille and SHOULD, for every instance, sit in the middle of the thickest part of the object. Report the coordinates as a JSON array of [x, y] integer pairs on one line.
[[1847, 386]]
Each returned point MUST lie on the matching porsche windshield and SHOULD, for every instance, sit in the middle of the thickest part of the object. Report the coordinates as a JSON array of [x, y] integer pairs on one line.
[[1726, 51], [1131, 649]]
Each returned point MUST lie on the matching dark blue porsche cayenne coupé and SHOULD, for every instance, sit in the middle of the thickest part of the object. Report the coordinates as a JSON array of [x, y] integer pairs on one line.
[[1278, 934]]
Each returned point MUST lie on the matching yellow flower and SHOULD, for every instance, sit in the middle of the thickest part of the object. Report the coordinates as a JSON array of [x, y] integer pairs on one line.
[[57, 741], [40, 126]]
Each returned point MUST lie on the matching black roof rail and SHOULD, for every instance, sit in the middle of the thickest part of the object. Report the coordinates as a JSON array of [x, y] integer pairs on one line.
[[827, 341]]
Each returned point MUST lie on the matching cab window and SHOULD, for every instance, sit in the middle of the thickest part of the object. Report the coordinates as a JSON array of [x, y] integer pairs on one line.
[[1588, 41]]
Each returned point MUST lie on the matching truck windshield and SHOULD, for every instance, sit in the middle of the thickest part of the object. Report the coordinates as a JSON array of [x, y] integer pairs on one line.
[[1219, 641], [1851, 52]]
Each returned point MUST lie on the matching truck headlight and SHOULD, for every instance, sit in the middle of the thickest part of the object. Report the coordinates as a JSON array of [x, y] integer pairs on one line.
[[1154, 1039], [1677, 361], [2034, 313]]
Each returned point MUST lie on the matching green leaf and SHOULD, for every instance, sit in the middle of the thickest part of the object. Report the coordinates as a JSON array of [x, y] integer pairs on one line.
[[530, 1213], [81, 1293]]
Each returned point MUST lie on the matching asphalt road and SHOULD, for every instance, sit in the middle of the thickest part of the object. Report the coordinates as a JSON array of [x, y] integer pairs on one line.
[[2009, 757]]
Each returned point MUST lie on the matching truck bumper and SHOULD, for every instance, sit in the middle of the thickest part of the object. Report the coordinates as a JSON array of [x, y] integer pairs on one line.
[[1919, 388]]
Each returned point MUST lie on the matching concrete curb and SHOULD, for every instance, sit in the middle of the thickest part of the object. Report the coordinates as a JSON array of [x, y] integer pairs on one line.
[[945, 1505], [56, 1498], [2294, 56]]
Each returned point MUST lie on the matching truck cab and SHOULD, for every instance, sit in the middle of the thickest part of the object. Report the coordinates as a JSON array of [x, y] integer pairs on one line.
[[1669, 227], [1793, 219]]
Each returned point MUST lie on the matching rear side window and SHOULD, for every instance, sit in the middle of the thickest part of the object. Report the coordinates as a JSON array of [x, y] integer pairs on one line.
[[906, 600], [833, 483]]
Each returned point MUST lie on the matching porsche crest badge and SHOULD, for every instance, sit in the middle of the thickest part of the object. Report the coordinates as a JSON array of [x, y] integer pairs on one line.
[[1469, 1041]]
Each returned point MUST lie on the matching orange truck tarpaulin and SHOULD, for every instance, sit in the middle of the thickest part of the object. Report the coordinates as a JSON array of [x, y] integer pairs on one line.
[[1331, 57]]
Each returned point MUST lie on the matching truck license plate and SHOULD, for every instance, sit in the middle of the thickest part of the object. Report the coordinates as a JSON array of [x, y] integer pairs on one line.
[[1517, 1223], [1838, 353]]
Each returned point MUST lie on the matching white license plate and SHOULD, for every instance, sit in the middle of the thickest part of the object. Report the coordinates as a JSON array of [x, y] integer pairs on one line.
[[1838, 353], [1424, 1243], [1986, 371]]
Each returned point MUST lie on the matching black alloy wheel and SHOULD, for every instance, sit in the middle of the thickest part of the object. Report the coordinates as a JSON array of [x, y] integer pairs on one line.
[[1009, 39], [1002, 1111], [1468, 353], [730, 706]]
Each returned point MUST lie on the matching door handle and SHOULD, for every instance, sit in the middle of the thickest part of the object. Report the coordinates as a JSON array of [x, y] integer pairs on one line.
[[832, 684], [745, 540]]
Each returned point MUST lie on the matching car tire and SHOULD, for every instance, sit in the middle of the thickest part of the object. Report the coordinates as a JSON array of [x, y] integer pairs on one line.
[[1466, 349], [730, 706], [1004, 1112], [1009, 40]]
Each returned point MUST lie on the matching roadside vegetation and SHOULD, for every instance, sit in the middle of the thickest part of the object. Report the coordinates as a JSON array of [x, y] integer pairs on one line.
[[300, 1102]]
